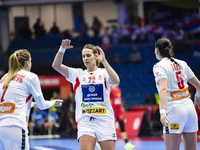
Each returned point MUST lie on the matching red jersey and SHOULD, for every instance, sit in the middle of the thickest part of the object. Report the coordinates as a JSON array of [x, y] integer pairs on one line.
[[115, 97], [116, 102]]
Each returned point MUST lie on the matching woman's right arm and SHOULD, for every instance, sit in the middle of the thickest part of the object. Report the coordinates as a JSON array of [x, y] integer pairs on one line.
[[57, 63], [34, 88]]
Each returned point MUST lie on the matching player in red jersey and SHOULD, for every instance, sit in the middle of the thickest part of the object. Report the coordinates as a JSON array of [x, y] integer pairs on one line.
[[116, 102]]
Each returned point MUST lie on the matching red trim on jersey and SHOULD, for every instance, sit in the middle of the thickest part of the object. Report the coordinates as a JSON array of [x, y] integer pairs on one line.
[[5, 89], [91, 73], [105, 83], [28, 98], [76, 85]]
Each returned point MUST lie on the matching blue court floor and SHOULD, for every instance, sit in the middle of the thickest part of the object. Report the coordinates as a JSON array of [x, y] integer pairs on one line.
[[72, 144]]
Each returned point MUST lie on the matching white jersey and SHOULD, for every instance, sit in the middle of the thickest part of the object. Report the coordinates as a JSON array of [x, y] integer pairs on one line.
[[92, 93], [177, 76], [16, 99]]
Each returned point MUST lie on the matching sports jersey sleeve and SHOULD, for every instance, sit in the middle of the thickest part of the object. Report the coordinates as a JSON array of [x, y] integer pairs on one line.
[[189, 72], [35, 90], [107, 77], [159, 73], [73, 74]]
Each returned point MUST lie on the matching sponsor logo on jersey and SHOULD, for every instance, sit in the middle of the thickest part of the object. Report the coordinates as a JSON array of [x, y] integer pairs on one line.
[[7, 108], [83, 105], [114, 135], [92, 89], [179, 94], [174, 126], [27, 118], [99, 77], [94, 110]]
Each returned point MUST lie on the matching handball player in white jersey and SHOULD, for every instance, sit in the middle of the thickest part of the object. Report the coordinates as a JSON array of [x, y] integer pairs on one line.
[[94, 113], [17, 89], [177, 111]]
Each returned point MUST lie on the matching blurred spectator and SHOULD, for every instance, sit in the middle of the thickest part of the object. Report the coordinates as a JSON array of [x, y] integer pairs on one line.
[[65, 35], [25, 32], [55, 95], [38, 27], [54, 29], [105, 39], [125, 32], [81, 40], [36, 125], [148, 99], [142, 36], [52, 121], [83, 28], [134, 56], [179, 35], [96, 26], [116, 59], [69, 105], [114, 35]]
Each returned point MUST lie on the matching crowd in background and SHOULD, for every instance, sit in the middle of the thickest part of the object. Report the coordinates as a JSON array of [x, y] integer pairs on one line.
[[178, 30]]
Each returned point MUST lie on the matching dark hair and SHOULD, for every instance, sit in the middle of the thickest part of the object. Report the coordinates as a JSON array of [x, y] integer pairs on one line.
[[165, 48]]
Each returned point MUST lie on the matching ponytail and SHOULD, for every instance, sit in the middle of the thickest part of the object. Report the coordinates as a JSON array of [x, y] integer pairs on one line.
[[16, 63], [165, 48]]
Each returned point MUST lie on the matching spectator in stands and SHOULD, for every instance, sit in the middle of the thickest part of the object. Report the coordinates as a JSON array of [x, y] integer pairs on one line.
[[54, 29], [55, 95], [52, 121], [38, 119], [96, 26], [125, 32], [135, 56], [116, 59], [114, 35], [116, 102], [83, 28], [106, 39], [69, 105], [148, 99], [25, 32], [66, 34], [179, 36], [38, 27]]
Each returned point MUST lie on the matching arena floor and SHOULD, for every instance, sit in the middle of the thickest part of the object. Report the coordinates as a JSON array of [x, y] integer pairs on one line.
[[141, 143]]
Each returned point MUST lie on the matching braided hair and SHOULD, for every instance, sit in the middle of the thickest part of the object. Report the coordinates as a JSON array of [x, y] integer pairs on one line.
[[165, 48]]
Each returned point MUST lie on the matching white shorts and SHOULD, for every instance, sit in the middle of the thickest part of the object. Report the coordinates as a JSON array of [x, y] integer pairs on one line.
[[182, 119], [99, 129], [13, 138]]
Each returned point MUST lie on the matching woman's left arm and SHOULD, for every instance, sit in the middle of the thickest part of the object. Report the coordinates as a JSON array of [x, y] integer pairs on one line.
[[113, 77]]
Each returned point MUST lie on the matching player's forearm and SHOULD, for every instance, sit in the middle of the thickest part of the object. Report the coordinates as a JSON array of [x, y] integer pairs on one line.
[[113, 77], [163, 95], [58, 60]]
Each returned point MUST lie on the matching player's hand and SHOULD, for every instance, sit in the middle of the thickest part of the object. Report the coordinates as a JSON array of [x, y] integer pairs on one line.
[[101, 56], [164, 120], [58, 102], [33, 104], [66, 44]]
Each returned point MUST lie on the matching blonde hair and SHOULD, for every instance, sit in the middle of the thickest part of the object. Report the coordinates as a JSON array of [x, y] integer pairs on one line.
[[94, 50], [16, 63]]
